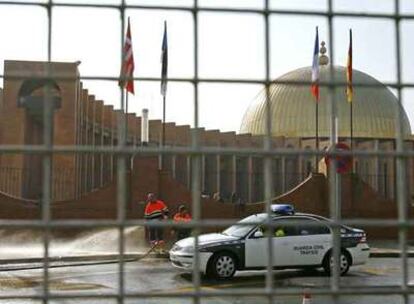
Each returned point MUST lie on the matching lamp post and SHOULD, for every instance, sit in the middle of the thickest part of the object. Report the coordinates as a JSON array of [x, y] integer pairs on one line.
[[144, 128]]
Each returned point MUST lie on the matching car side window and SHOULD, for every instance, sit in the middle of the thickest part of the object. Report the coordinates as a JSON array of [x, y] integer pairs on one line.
[[282, 229], [309, 226], [265, 230], [305, 226], [278, 229]]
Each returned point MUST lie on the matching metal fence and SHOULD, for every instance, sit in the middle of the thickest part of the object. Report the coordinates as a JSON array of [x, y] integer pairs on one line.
[[195, 150]]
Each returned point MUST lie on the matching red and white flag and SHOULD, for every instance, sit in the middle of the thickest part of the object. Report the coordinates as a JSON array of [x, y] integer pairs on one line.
[[127, 69], [315, 68]]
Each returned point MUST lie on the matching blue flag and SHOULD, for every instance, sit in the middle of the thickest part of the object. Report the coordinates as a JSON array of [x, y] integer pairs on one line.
[[164, 61]]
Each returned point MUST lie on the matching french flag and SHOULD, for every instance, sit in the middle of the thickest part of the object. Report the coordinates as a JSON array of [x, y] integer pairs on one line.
[[315, 68]]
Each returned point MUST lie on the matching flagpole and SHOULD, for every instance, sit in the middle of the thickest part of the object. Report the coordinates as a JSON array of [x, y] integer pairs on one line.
[[128, 158], [351, 122], [126, 81], [164, 73], [127, 75], [349, 91], [317, 135], [315, 92], [126, 123], [126, 115], [163, 129]]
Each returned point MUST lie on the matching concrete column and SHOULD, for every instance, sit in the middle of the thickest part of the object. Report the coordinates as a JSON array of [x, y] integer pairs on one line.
[[77, 129], [80, 121], [86, 142], [301, 165], [234, 174], [376, 169], [79, 111], [203, 172], [189, 172], [250, 178], [173, 166], [283, 172], [102, 129], [135, 133], [93, 143], [107, 131], [111, 138], [218, 173]]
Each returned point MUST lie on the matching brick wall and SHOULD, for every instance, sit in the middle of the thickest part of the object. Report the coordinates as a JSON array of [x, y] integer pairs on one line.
[[310, 196]]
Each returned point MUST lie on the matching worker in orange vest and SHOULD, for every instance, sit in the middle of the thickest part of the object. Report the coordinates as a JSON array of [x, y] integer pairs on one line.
[[182, 216], [155, 210]]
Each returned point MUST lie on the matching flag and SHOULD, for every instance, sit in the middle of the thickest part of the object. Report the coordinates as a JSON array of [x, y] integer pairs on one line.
[[127, 69], [315, 68], [349, 89], [164, 61]]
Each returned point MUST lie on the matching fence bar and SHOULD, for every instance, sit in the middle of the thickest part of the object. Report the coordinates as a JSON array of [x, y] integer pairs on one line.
[[196, 164], [401, 162]]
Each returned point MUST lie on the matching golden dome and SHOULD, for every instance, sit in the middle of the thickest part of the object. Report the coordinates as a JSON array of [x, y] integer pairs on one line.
[[293, 108]]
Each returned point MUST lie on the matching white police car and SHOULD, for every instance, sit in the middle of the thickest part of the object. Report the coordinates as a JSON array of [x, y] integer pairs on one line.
[[306, 244]]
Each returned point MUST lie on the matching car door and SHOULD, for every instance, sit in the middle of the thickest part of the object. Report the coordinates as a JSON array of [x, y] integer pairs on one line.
[[308, 242], [256, 249], [256, 254]]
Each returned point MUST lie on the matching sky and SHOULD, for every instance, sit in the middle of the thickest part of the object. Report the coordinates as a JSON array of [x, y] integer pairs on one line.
[[230, 45]]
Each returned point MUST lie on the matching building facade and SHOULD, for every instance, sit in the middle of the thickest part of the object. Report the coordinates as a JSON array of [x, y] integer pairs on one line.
[[79, 119]]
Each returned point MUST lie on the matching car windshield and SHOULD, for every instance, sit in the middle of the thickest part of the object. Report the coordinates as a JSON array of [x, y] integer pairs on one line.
[[248, 224]]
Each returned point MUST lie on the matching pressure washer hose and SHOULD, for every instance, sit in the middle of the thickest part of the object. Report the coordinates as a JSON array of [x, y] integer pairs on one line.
[[139, 258]]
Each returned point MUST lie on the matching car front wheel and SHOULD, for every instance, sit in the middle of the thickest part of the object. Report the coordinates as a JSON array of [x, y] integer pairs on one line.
[[223, 266], [344, 263]]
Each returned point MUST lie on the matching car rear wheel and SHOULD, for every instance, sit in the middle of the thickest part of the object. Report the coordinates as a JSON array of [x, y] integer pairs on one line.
[[344, 263], [223, 266]]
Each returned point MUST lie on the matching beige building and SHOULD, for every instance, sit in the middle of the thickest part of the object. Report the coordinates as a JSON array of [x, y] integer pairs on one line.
[[293, 118]]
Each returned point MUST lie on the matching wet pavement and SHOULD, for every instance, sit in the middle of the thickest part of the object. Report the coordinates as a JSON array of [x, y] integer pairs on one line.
[[158, 277], [86, 270], [17, 255]]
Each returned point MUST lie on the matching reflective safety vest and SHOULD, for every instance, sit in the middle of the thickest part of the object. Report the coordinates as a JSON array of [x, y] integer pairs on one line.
[[155, 210], [182, 217], [279, 232]]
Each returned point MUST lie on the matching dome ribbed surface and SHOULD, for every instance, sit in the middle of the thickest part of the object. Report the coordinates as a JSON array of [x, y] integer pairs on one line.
[[293, 108]]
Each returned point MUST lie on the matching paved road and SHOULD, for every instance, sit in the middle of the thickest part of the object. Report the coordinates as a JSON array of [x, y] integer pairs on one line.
[[158, 277]]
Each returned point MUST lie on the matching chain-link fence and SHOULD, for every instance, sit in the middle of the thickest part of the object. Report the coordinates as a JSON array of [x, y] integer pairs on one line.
[[202, 171]]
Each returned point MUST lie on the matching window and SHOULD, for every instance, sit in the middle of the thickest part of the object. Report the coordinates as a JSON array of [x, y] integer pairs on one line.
[[304, 226], [307, 227]]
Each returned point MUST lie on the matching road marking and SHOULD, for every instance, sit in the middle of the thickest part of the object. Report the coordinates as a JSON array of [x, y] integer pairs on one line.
[[379, 271], [191, 288], [59, 276], [216, 286], [20, 282], [374, 272]]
